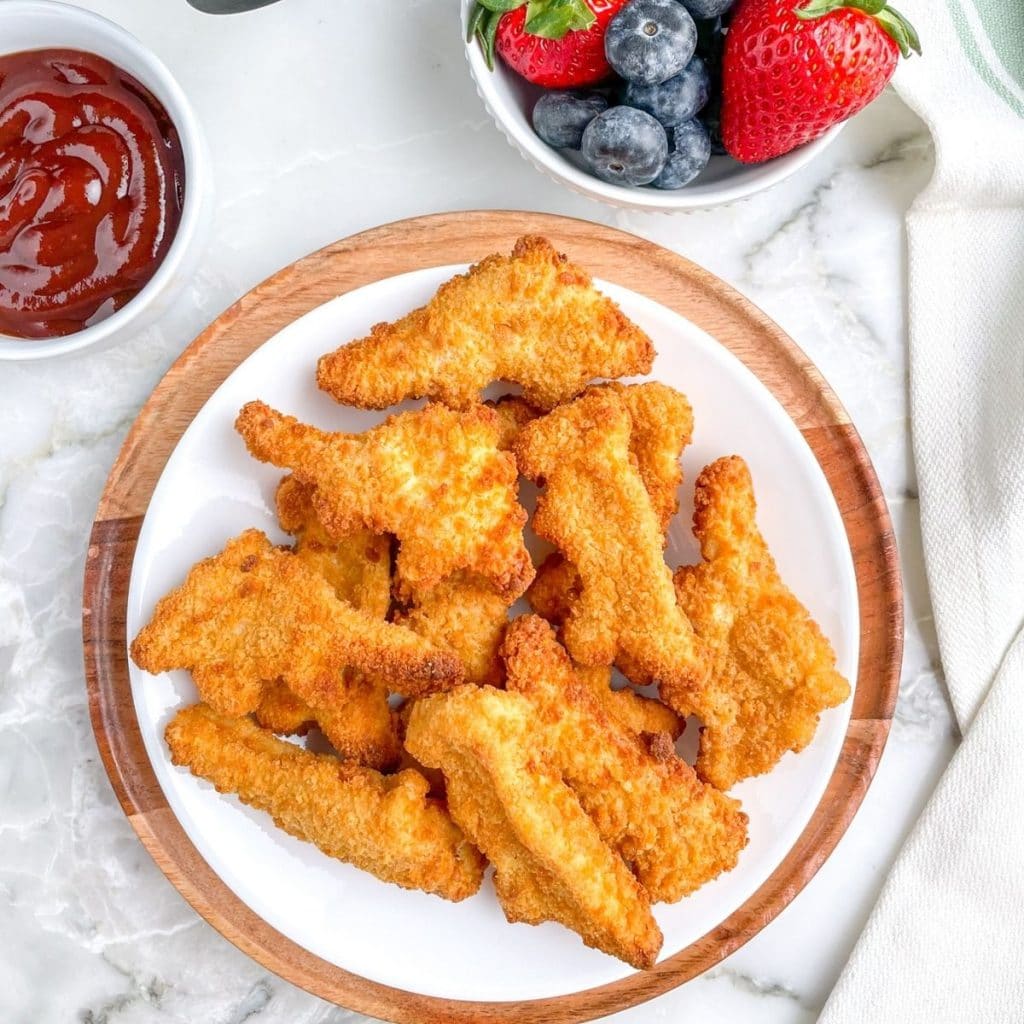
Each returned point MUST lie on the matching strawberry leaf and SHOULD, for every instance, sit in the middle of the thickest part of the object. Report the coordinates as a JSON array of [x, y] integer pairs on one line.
[[904, 34], [554, 19], [487, 33], [892, 22], [475, 22], [501, 6]]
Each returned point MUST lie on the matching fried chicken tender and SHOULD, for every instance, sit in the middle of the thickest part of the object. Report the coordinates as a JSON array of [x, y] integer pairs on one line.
[[596, 510], [773, 671], [255, 613], [533, 318], [465, 615], [550, 863], [674, 832], [638, 714], [363, 728], [435, 478], [383, 824]]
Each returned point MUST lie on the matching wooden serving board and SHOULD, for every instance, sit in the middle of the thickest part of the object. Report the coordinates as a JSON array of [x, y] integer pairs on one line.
[[434, 241]]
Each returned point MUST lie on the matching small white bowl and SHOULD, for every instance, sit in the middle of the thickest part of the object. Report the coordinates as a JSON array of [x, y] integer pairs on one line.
[[509, 100], [42, 24]]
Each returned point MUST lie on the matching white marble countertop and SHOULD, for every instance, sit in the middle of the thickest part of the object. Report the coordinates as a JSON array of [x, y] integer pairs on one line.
[[325, 118]]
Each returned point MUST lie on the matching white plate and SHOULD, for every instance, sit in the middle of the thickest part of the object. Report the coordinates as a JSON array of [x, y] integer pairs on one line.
[[211, 489]]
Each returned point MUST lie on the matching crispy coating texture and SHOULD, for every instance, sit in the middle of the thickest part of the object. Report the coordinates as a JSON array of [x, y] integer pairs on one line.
[[513, 414], [383, 824], [674, 832], [357, 565], [533, 318], [465, 615], [555, 588], [255, 613], [550, 863], [662, 426], [363, 728], [773, 671], [597, 512], [280, 711], [640, 715], [435, 478]]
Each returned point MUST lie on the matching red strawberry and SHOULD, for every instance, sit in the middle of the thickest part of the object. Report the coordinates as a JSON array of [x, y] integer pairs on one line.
[[793, 69], [558, 44]]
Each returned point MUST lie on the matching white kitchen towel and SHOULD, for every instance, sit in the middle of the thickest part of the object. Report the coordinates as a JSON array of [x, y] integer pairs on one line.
[[946, 940]]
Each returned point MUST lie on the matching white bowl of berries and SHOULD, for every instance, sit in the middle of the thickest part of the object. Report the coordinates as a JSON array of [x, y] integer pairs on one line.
[[678, 104]]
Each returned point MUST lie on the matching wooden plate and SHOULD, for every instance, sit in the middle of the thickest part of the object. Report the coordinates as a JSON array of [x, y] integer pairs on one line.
[[395, 249]]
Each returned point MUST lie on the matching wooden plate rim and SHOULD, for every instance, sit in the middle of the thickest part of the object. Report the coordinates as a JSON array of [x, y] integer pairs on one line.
[[435, 240]]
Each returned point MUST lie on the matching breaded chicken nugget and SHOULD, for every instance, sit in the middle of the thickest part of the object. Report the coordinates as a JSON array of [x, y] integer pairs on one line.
[[513, 414], [597, 512], [636, 713], [550, 863], [674, 832], [383, 824], [465, 615], [255, 613], [280, 711], [662, 426], [533, 318], [435, 478], [773, 672], [357, 565], [363, 728]]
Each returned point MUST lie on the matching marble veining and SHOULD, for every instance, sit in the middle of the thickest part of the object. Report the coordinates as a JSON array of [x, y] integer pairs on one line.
[[348, 123]]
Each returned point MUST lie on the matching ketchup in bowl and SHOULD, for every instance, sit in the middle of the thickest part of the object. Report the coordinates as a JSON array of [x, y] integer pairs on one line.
[[91, 190]]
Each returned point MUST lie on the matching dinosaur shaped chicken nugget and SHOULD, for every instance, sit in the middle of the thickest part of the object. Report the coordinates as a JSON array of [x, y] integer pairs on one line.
[[532, 318], [435, 478], [596, 510], [772, 670], [673, 831]]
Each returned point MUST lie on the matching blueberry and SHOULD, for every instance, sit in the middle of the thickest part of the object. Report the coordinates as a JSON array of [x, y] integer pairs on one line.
[[676, 100], [707, 8], [625, 146], [690, 153], [560, 117], [649, 41]]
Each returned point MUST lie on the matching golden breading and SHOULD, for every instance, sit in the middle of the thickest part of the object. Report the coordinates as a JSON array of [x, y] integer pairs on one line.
[[555, 588], [597, 512], [550, 863], [255, 613], [464, 615], [773, 672], [363, 728], [386, 825], [662, 426], [434, 478], [513, 414], [533, 318], [673, 831], [280, 711], [357, 565], [640, 715]]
